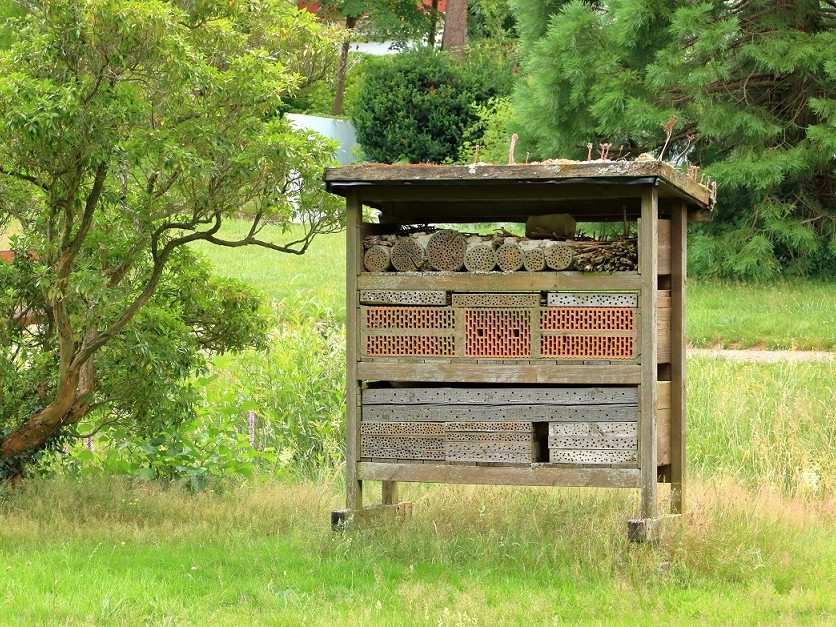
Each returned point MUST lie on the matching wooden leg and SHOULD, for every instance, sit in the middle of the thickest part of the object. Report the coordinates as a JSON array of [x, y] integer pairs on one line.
[[389, 492], [353, 493]]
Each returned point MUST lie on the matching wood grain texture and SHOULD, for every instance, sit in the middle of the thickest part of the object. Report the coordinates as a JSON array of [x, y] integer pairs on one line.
[[354, 254], [500, 282], [558, 456], [488, 373], [488, 475], [679, 266], [499, 413]]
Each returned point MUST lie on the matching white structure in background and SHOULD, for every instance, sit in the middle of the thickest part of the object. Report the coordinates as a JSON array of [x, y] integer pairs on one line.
[[341, 130]]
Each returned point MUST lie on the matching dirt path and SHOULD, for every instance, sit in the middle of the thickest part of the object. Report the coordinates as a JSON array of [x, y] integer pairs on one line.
[[763, 356]]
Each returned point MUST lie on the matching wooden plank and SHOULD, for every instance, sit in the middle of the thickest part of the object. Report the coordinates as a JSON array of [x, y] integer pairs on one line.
[[679, 266], [403, 297], [663, 299], [472, 299], [354, 253], [592, 457], [664, 247], [489, 475], [648, 242], [489, 436], [672, 182], [492, 427], [593, 299], [594, 442], [509, 452], [500, 413], [663, 332], [663, 436], [506, 396], [586, 429], [402, 428], [626, 374], [500, 282], [401, 448]]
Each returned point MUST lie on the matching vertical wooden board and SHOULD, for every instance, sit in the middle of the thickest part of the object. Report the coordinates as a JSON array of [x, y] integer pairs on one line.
[[354, 255], [664, 247], [679, 265], [648, 244], [663, 330]]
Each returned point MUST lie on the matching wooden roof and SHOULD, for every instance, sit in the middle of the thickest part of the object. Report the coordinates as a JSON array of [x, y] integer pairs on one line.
[[590, 190]]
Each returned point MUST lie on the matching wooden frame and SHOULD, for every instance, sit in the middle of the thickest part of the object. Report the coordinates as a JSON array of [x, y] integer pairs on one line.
[[591, 191]]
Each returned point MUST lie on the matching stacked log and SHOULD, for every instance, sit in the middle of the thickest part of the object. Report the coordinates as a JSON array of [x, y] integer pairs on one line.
[[448, 250]]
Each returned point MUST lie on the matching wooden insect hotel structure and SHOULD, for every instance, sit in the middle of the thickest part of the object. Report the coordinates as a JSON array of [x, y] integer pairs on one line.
[[535, 362]]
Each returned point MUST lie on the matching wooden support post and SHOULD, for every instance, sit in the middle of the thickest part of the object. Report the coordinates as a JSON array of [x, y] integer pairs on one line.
[[653, 529], [389, 492], [648, 241], [679, 262], [354, 253], [373, 516]]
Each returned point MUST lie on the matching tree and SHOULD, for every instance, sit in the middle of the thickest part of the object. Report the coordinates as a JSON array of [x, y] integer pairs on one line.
[[130, 130], [454, 37], [750, 84]]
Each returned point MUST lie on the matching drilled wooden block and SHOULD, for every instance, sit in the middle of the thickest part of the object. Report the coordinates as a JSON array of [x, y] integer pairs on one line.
[[445, 250], [590, 299], [402, 428], [480, 258], [493, 427], [501, 396], [401, 447], [408, 255], [592, 457], [558, 256], [515, 452], [403, 297], [510, 257], [488, 436], [476, 300], [594, 442], [591, 429]]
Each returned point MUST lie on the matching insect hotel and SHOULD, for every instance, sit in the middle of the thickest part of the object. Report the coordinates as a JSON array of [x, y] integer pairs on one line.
[[549, 359]]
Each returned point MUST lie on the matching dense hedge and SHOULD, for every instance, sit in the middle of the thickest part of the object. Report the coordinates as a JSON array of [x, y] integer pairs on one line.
[[415, 106]]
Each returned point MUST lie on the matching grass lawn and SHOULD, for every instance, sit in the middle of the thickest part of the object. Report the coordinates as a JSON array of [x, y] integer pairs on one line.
[[110, 553]]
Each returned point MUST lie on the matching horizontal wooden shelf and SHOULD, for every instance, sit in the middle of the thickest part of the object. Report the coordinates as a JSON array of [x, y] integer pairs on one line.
[[500, 373], [500, 475], [500, 281]]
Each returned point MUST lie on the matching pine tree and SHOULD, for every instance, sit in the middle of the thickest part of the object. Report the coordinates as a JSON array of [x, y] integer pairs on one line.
[[752, 85]]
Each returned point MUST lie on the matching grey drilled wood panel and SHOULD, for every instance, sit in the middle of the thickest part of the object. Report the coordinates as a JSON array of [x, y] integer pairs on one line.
[[402, 428], [591, 457], [496, 300], [503, 413], [497, 396], [593, 442], [488, 436], [520, 452], [584, 299], [401, 447], [590, 429], [518, 427], [403, 297]]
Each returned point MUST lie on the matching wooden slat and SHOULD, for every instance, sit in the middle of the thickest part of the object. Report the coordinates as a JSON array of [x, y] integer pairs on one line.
[[496, 300], [489, 436], [500, 413], [664, 247], [626, 374], [490, 427], [584, 429], [593, 442], [401, 447], [592, 457], [500, 282], [403, 297], [487, 475], [354, 254], [663, 326], [586, 299], [402, 428], [505, 396], [647, 391], [679, 265], [511, 452]]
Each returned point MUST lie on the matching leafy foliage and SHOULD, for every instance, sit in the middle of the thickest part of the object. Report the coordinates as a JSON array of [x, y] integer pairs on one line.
[[416, 106], [750, 84], [129, 131]]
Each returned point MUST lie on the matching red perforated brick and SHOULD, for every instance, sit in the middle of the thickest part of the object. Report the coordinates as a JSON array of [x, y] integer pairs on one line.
[[409, 318], [497, 333], [410, 346], [588, 319], [587, 346]]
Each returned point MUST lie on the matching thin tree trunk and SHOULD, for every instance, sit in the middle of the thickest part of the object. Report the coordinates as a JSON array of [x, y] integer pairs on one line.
[[433, 24], [455, 27], [337, 109]]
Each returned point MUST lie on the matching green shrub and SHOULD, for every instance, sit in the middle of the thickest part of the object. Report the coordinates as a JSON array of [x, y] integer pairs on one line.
[[416, 106]]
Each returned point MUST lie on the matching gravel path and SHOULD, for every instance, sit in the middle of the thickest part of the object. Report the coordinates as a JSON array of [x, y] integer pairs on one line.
[[763, 356]]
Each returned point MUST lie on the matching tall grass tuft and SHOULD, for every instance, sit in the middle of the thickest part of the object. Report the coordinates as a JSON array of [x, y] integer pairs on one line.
[[766, 424]]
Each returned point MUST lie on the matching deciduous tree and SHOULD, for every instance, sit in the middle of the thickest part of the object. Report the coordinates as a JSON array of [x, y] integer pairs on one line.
[[129, 130]]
